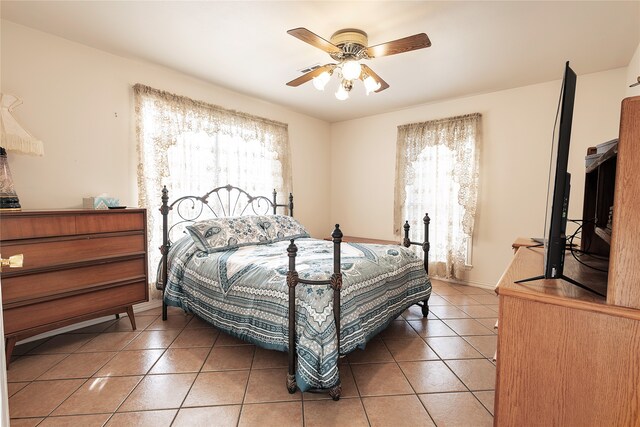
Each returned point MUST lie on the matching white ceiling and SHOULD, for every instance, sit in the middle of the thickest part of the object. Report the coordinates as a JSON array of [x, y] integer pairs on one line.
[[478, 47]]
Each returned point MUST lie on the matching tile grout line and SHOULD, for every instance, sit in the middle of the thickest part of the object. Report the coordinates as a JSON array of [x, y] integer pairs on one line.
[[246, 387], [143, 376], [451, 370], [405, 375], [476, 397]]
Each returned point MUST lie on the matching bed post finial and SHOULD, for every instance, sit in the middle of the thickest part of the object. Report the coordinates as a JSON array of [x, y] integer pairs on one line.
[[292, 275], [275, 203], [337, 234], [165, 199], [406, 242], [290, 204]]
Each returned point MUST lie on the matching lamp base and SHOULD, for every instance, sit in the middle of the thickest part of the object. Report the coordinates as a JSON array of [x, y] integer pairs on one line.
[[8, 197], [10, 203]]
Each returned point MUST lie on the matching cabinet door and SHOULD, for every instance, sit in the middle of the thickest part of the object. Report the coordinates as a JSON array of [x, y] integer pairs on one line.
[[624, 266], [564, 366]]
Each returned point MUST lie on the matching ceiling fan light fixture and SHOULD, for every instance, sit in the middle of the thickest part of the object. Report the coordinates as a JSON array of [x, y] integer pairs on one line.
[[371, 85], [321, 81], [348, 47], [351, 69]]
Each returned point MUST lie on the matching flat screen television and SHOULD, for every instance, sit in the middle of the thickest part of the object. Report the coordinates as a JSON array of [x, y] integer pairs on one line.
[[555, 240], [558, 193]]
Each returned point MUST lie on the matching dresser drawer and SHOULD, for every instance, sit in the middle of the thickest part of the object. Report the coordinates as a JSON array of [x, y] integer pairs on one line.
[[29, 227], [47, 285], [109, 222], [32, 226], [65, 310], [67, 251]]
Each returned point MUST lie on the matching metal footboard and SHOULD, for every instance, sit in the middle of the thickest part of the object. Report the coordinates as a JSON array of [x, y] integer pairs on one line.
[[336, 284], [406, 242]]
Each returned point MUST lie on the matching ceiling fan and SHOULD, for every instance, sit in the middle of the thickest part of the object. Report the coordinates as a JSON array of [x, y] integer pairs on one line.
[[348, 47]]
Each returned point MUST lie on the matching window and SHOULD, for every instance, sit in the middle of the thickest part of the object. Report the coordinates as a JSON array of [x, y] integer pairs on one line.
[[437, 173], [193, 147]]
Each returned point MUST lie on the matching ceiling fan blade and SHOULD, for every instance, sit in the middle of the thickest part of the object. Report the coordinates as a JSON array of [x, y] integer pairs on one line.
[[314, 40], [311, 74], [407, 44], [366, 70]]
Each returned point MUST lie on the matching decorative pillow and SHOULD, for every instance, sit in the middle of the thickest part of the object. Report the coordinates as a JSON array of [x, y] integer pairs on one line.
[[221, 234], [283, 227]]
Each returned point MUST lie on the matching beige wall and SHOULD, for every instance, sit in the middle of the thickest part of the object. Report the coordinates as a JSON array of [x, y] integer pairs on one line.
[[514, 162], [78, 100]]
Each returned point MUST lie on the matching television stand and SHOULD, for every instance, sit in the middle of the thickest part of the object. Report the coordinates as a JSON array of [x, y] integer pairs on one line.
[[539, 240], [563, 277], [591, 277]]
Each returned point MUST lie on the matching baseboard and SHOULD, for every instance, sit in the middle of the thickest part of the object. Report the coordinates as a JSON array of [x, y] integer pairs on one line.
[[487, 286], [136, 309]]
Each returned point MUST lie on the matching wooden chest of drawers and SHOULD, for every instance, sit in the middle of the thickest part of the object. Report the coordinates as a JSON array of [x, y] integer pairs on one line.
[[78, 264]]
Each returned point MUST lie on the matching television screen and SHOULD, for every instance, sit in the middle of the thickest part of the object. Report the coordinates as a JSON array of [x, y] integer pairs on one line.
[[559, 180]]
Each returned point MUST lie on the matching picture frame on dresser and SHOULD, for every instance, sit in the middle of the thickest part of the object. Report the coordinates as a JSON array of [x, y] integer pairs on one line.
[[78, 265]]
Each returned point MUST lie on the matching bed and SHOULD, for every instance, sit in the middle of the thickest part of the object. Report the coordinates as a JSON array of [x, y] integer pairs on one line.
[[246, 268]]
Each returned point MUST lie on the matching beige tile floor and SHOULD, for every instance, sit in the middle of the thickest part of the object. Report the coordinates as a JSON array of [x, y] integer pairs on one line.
[[418, 372]]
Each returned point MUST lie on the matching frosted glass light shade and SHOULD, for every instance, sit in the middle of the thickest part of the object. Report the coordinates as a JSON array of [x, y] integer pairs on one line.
[[342, 93], [319, 82], [371, 85], [351, 69]]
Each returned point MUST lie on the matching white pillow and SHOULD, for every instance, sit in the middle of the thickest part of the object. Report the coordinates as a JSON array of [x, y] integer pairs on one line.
[[221, 234], [283, 227]]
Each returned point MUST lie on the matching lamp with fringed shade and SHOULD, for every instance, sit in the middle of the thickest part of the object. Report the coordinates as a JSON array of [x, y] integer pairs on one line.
[[14, 138]]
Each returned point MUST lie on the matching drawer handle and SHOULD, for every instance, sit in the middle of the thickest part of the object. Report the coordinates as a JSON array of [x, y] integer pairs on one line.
[[14, 261]]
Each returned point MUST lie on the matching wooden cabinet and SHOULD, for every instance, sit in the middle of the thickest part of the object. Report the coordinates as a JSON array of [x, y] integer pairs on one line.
[[78, 264], [624, 266], [566, 356]]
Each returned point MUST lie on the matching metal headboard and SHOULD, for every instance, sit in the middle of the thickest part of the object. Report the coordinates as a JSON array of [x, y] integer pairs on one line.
[[222, 201]]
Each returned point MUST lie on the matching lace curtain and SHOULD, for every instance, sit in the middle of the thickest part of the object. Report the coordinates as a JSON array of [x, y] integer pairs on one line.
[[192, 147], [437, 172]]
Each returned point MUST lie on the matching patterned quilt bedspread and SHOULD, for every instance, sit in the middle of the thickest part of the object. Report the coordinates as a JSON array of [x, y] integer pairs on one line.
[[243, 292]]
